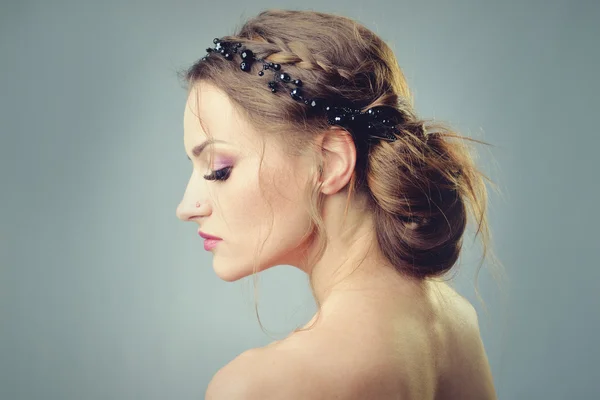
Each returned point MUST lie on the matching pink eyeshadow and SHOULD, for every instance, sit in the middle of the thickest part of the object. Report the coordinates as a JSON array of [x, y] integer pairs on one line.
[[222, 162]]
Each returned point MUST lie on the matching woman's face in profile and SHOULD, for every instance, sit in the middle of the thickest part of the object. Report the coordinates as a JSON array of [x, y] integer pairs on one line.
[[232, 206]]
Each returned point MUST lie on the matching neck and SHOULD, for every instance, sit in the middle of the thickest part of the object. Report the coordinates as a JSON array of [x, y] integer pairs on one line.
[[352, 262]]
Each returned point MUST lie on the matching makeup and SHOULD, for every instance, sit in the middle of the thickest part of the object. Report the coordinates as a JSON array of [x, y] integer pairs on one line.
[[210, 244]]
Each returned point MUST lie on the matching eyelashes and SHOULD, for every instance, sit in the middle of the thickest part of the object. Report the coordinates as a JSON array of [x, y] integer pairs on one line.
[[219, 175]]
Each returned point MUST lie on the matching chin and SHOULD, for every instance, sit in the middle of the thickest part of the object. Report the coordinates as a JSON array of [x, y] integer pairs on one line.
[[229, 273]]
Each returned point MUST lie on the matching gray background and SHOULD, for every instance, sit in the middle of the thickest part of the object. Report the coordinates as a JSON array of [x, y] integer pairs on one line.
[[105, 294]]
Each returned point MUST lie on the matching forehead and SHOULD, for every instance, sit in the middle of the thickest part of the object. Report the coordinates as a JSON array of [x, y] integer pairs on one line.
[[209, 108]]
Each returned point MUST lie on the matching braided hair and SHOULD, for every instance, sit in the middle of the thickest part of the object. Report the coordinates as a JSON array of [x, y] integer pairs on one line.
[[419, 187]]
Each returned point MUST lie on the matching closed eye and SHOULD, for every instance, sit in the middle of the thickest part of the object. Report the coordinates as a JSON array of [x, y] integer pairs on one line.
[[219, 175]]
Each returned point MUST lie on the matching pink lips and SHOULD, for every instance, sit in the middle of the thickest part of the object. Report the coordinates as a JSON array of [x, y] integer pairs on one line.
[[210, 244], [207, 236], [209, 241]]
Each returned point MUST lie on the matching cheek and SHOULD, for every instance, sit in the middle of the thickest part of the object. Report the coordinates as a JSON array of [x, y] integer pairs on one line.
[[241, 203], [277, 208]]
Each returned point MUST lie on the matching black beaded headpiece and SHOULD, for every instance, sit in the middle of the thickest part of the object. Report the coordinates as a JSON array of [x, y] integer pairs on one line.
[[377, 122]]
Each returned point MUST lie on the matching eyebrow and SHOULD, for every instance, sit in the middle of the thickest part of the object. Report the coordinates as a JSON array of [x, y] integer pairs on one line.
[[196, 151]]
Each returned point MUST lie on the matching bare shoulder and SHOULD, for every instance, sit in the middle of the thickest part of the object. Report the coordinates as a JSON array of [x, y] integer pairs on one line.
[[317, 365], [270, 373], [426, 350], [463, 362]]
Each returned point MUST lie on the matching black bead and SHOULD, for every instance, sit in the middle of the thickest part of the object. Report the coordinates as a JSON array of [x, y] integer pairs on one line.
[[215, 40], [260, 73], [284, 77], [238, 45], [246, 54], [209, 49], [298, 82], [203, 58], [273, 90], [228, 56], [276, 67], [306, 102], [296, 94], [266, 66], [272, 84], [218, 46], [245, 66]]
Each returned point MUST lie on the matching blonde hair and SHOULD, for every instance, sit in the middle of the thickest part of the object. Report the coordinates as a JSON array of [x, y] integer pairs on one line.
[[420, 188]]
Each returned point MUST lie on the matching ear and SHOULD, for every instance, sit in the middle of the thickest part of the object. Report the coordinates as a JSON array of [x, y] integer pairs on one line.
[[339, 159]]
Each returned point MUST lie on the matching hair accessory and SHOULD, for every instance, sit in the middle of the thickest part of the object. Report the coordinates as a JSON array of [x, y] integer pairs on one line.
[[378, 122]]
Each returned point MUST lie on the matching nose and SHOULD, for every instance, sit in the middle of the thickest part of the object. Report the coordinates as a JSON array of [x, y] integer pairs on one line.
[[187, 209]]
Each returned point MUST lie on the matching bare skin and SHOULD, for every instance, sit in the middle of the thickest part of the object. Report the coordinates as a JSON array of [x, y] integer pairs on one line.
[[420, 342], [379, 335]]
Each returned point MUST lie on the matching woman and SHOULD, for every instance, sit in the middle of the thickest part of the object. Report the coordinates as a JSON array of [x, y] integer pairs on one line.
[[316, 159]]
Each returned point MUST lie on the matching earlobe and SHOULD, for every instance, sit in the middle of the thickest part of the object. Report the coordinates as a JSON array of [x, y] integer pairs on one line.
[[339, 160]]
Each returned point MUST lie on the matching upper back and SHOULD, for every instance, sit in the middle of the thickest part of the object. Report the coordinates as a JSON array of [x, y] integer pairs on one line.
[[425, 348]]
